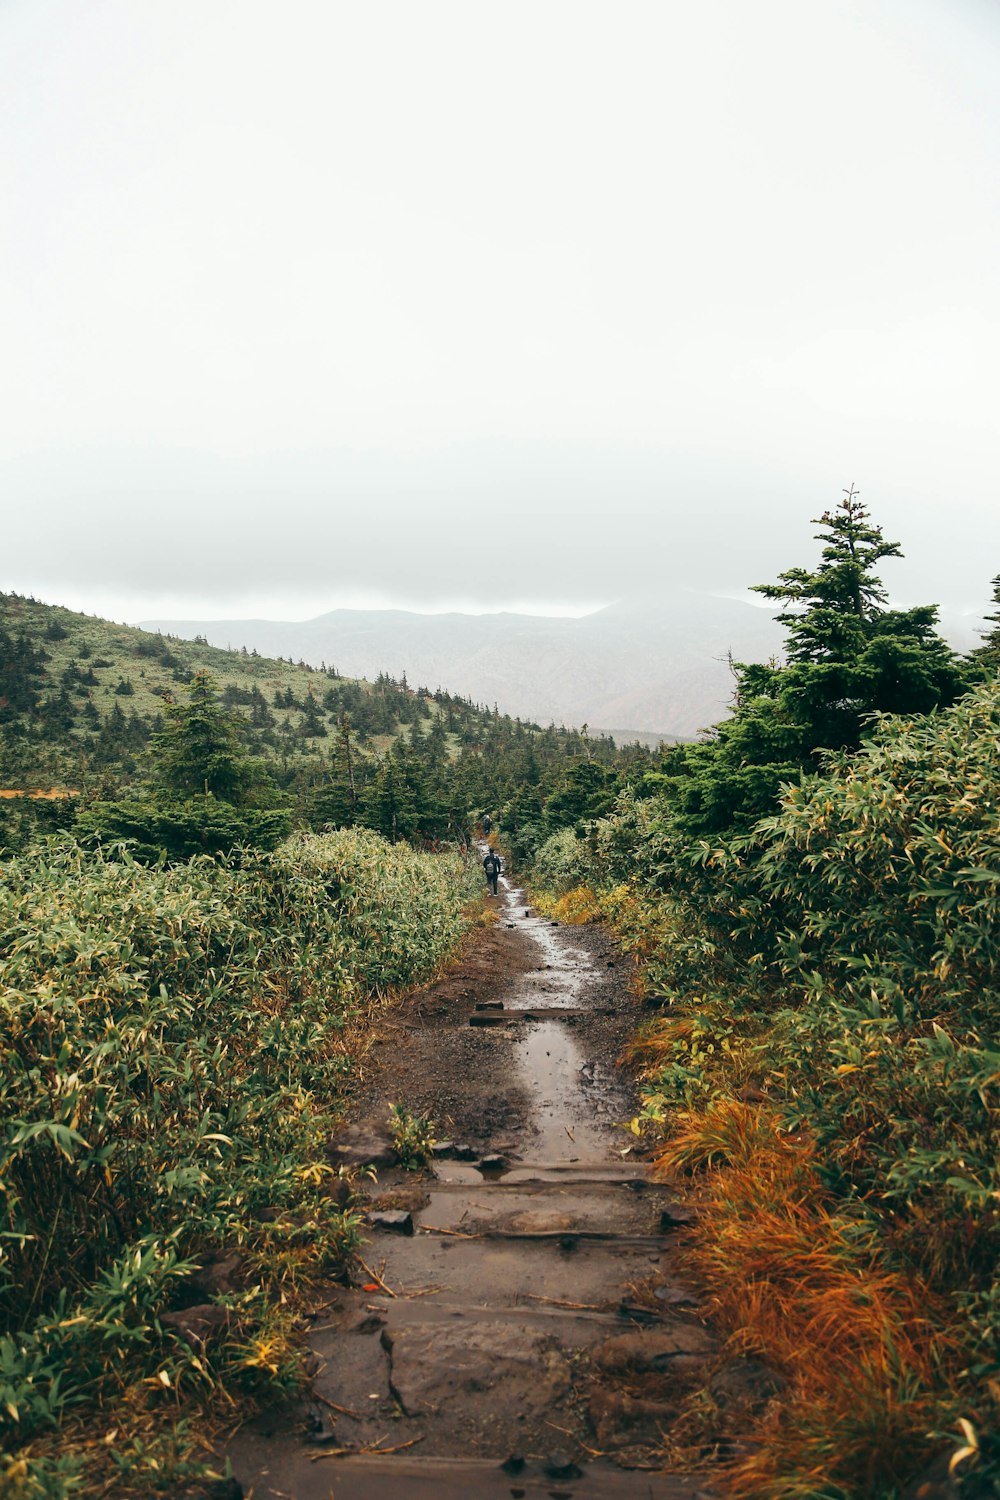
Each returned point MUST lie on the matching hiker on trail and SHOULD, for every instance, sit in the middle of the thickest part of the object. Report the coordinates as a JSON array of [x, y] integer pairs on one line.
[[487, 824], [492, 864]]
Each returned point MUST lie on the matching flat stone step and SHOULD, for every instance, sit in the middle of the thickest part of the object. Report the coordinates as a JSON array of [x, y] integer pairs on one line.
[[555, 1236], [537, 1013], [585, 1271], [581, 1171], [597, 1322], [512, 1181], [537, 1174], [556, 1206], [403, 1477]]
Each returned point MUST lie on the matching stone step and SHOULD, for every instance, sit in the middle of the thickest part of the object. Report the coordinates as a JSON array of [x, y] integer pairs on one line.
[[581, 1271], [432, 1310], [567, 1170], [557, 1236], [573, 1326], [559, 1207], [513, 1182], [537, 1013], [373, 1476]]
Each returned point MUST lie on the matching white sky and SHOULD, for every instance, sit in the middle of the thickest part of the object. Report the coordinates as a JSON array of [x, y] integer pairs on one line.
[[307, 304]]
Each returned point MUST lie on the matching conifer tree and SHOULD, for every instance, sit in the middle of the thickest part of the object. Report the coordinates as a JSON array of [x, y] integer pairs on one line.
[[988, 654], [203, 795], [197, 750], [848, 657]]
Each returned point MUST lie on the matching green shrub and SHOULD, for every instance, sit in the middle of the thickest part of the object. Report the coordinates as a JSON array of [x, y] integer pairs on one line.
[[173, 1048], [560, 862]]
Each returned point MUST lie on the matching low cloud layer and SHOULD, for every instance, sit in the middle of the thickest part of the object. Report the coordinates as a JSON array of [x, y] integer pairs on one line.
[[427, 303]]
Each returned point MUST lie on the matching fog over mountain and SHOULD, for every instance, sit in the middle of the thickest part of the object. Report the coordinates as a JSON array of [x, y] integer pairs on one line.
[[419, 307], [658, 667]]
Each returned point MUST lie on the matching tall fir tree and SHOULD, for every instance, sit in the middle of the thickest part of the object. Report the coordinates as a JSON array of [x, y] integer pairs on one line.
[[848, 657]]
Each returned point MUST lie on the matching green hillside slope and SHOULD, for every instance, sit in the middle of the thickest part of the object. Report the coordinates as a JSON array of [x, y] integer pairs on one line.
[[79, 696], [84, 703]]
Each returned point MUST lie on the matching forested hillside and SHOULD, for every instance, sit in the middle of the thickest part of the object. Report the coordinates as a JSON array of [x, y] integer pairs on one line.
[[85, 704], [80, 696]]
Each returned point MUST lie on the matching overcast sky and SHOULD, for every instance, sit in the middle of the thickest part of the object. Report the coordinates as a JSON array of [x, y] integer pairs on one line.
[[540, 304]]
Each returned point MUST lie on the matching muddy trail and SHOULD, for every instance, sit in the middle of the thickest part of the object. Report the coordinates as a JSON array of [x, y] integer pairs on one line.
[[523, 1331]]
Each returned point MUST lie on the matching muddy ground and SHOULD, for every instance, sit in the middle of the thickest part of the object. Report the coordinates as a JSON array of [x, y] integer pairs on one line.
[[426, 1055], [524, 1329]]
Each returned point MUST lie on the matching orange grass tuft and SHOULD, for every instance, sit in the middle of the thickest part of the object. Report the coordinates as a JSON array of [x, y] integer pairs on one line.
[[655, 1044], [803, 1287]]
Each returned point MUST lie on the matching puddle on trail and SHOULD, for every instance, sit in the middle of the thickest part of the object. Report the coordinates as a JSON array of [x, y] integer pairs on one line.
[[550, 1065], [572, 1111], [559, 984]]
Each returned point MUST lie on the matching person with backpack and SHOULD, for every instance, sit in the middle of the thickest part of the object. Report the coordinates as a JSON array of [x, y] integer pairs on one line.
[[492, 865]]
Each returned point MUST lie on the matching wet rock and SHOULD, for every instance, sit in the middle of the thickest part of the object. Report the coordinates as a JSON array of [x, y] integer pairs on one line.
[[677, 1216], [365, 1320], [410, 1197], [195, 1325], [218, 1277], [675, 1296], [637, 1312], [514, 1464], [440, 1366], [561, 1466], [340, 1191], [314, 1423], [677, 1346], [364, 1145], [745, 1382], [222, 1489], [214, 1489], [935, 1483], [464, 1152], [392, 1220], [537, 1221], [619, 1420]]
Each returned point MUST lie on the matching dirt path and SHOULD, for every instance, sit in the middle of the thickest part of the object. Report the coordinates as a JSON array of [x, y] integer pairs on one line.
[[533, 1339]]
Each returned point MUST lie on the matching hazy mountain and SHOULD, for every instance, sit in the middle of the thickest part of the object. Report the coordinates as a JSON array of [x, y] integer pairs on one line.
[[659, 667]]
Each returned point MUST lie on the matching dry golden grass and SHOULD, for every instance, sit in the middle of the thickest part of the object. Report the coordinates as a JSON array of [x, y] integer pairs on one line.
[[37, 794], [802, 1286], [654, 1045]]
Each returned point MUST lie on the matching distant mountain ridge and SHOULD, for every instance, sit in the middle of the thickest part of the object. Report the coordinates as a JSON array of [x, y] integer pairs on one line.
[[655, 667], [652, 668]]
